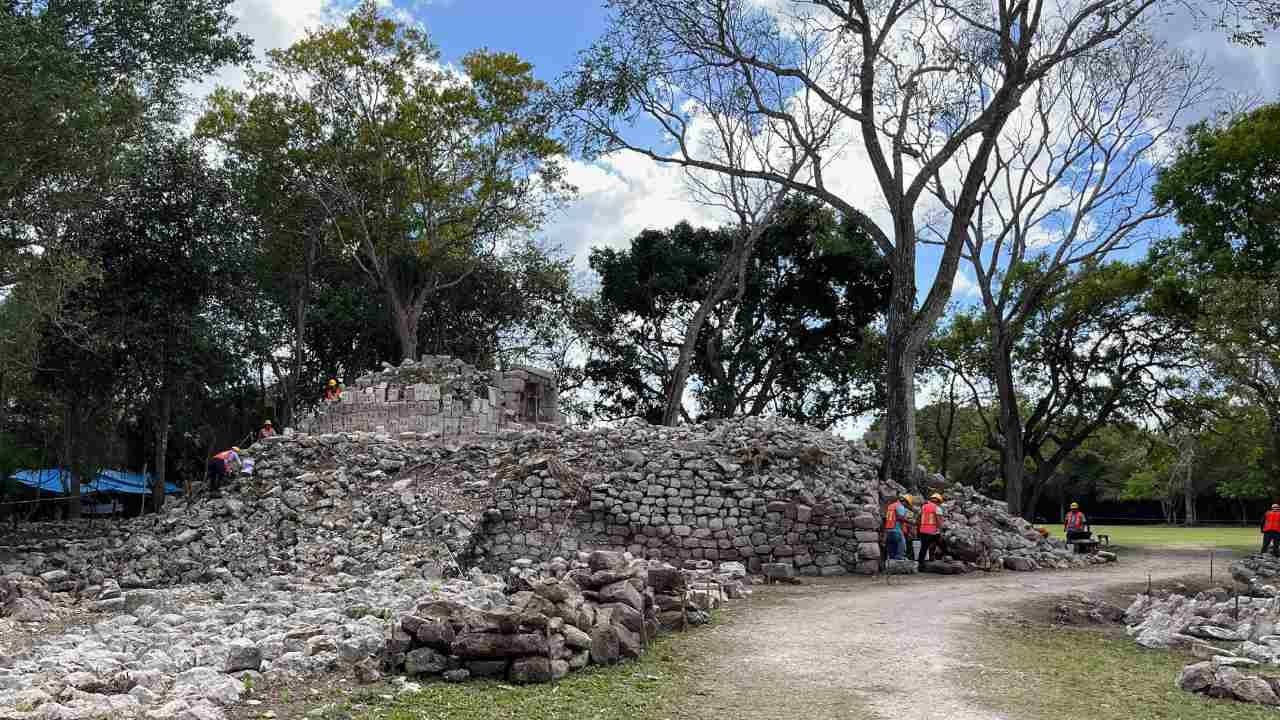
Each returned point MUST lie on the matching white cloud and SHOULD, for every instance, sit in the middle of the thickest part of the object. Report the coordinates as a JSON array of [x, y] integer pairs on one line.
[[618, 197]]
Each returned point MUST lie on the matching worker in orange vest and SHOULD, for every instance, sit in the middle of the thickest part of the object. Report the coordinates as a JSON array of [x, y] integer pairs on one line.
[[221, 466], [1076, 525], [332, 393], [1271, 531], [930, 527], [895, 520]]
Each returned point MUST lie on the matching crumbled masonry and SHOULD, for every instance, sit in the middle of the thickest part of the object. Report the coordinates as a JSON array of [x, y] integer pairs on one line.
[[525, 553]]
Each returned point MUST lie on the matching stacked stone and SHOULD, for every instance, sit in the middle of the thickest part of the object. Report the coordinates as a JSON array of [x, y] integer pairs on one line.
[[440, 396], [1260, 573], [600, 611], [759, 491]]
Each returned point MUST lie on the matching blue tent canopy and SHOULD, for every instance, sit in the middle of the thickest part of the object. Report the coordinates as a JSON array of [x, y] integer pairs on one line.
[[108, 481], [129, 483], [49, 480]]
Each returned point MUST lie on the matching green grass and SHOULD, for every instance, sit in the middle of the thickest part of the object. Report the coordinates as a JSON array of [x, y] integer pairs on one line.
[[1050, 673], [648, 689], [1241, 539]]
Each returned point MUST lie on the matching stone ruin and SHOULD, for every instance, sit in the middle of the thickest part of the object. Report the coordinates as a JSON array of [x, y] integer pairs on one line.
[[441, 396], [524, 554]]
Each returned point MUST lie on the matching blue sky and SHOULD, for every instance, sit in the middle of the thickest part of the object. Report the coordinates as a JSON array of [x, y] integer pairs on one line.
[[624, 195]]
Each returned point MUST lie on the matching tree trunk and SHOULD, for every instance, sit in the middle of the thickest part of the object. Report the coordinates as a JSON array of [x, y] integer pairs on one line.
[[1029, 510], [68, 461], [1009, 427], [163, 415], [406, 326], [1189, 499], [723, 280], [898, 460]]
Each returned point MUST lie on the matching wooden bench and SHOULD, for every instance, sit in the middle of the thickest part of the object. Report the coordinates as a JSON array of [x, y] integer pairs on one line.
[[1085, 545]]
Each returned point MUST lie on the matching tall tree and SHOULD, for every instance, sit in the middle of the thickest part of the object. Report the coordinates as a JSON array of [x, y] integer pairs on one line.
[[1069, 184], [1101, 348], [1224, 269], [793, 339], [421, 170], [912, 81]]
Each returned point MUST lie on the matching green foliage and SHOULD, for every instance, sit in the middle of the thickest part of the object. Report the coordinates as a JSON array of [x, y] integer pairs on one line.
[[1224, 189], [792, 339], [422, 172]]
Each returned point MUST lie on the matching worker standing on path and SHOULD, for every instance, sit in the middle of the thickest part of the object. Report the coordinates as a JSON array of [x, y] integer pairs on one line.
[[332, 393], [895, 517], [930, 529], [1271, 531], [1076, 525], [221, 466]]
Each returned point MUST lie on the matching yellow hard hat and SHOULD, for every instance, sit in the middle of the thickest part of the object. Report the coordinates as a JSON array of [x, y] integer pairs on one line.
[[333, 382], [1075, 506], [266, 422], [236, 450], [907, 499], [935, 497]]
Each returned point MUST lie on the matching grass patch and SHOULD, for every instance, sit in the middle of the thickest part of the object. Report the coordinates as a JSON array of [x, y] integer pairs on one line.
[[1051, 673], [1238, 539], [648, 689]]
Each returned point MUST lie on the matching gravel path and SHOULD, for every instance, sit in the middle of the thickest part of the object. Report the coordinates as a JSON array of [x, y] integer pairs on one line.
[[855, 648]]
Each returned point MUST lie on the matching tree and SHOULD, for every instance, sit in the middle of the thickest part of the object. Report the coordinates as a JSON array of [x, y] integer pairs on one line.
[[1101, 348], [793, 340], [421, 170], [913, 81], [1224, 269], [1069, 183], [81, 79]]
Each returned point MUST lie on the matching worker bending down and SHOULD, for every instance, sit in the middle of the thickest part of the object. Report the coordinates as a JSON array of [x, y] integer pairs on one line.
[[930, 528], [222, 466], [1076, 525], [1271, 531], [895, 518]]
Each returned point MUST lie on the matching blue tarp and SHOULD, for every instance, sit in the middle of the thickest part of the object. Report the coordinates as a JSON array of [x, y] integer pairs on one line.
[[108, 481], [48, 480], [129, 483]]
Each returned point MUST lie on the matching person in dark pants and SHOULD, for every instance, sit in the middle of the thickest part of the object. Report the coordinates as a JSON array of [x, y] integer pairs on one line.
[[1076, 524], [221, 466], [1271, 531], [930, 527]]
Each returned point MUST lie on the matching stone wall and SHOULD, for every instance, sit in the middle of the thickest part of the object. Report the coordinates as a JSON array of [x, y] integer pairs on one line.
[[440, 396], [676, 506]]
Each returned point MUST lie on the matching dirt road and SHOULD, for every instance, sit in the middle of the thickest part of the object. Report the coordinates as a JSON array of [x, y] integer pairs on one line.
[[854, 648]]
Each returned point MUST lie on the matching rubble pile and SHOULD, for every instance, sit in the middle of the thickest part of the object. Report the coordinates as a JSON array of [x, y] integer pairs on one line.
[[601, 609], [1260, 573], [333, 504], [1235, 635], [366, 553]]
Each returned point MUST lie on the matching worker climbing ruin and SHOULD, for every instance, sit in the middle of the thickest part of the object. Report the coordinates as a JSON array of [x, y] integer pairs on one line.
[[332, 391], [222, 466]]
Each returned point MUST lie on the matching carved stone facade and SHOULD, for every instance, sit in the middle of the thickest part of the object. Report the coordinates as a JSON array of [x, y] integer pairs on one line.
[[440, 396]]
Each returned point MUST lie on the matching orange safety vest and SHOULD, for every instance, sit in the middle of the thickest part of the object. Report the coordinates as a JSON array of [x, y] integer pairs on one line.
[[929, 519], [891, 516], [1272, 523], [1075, 520]]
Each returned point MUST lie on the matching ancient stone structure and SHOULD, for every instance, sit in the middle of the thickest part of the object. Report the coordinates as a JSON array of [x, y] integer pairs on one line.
[[440, 396]]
